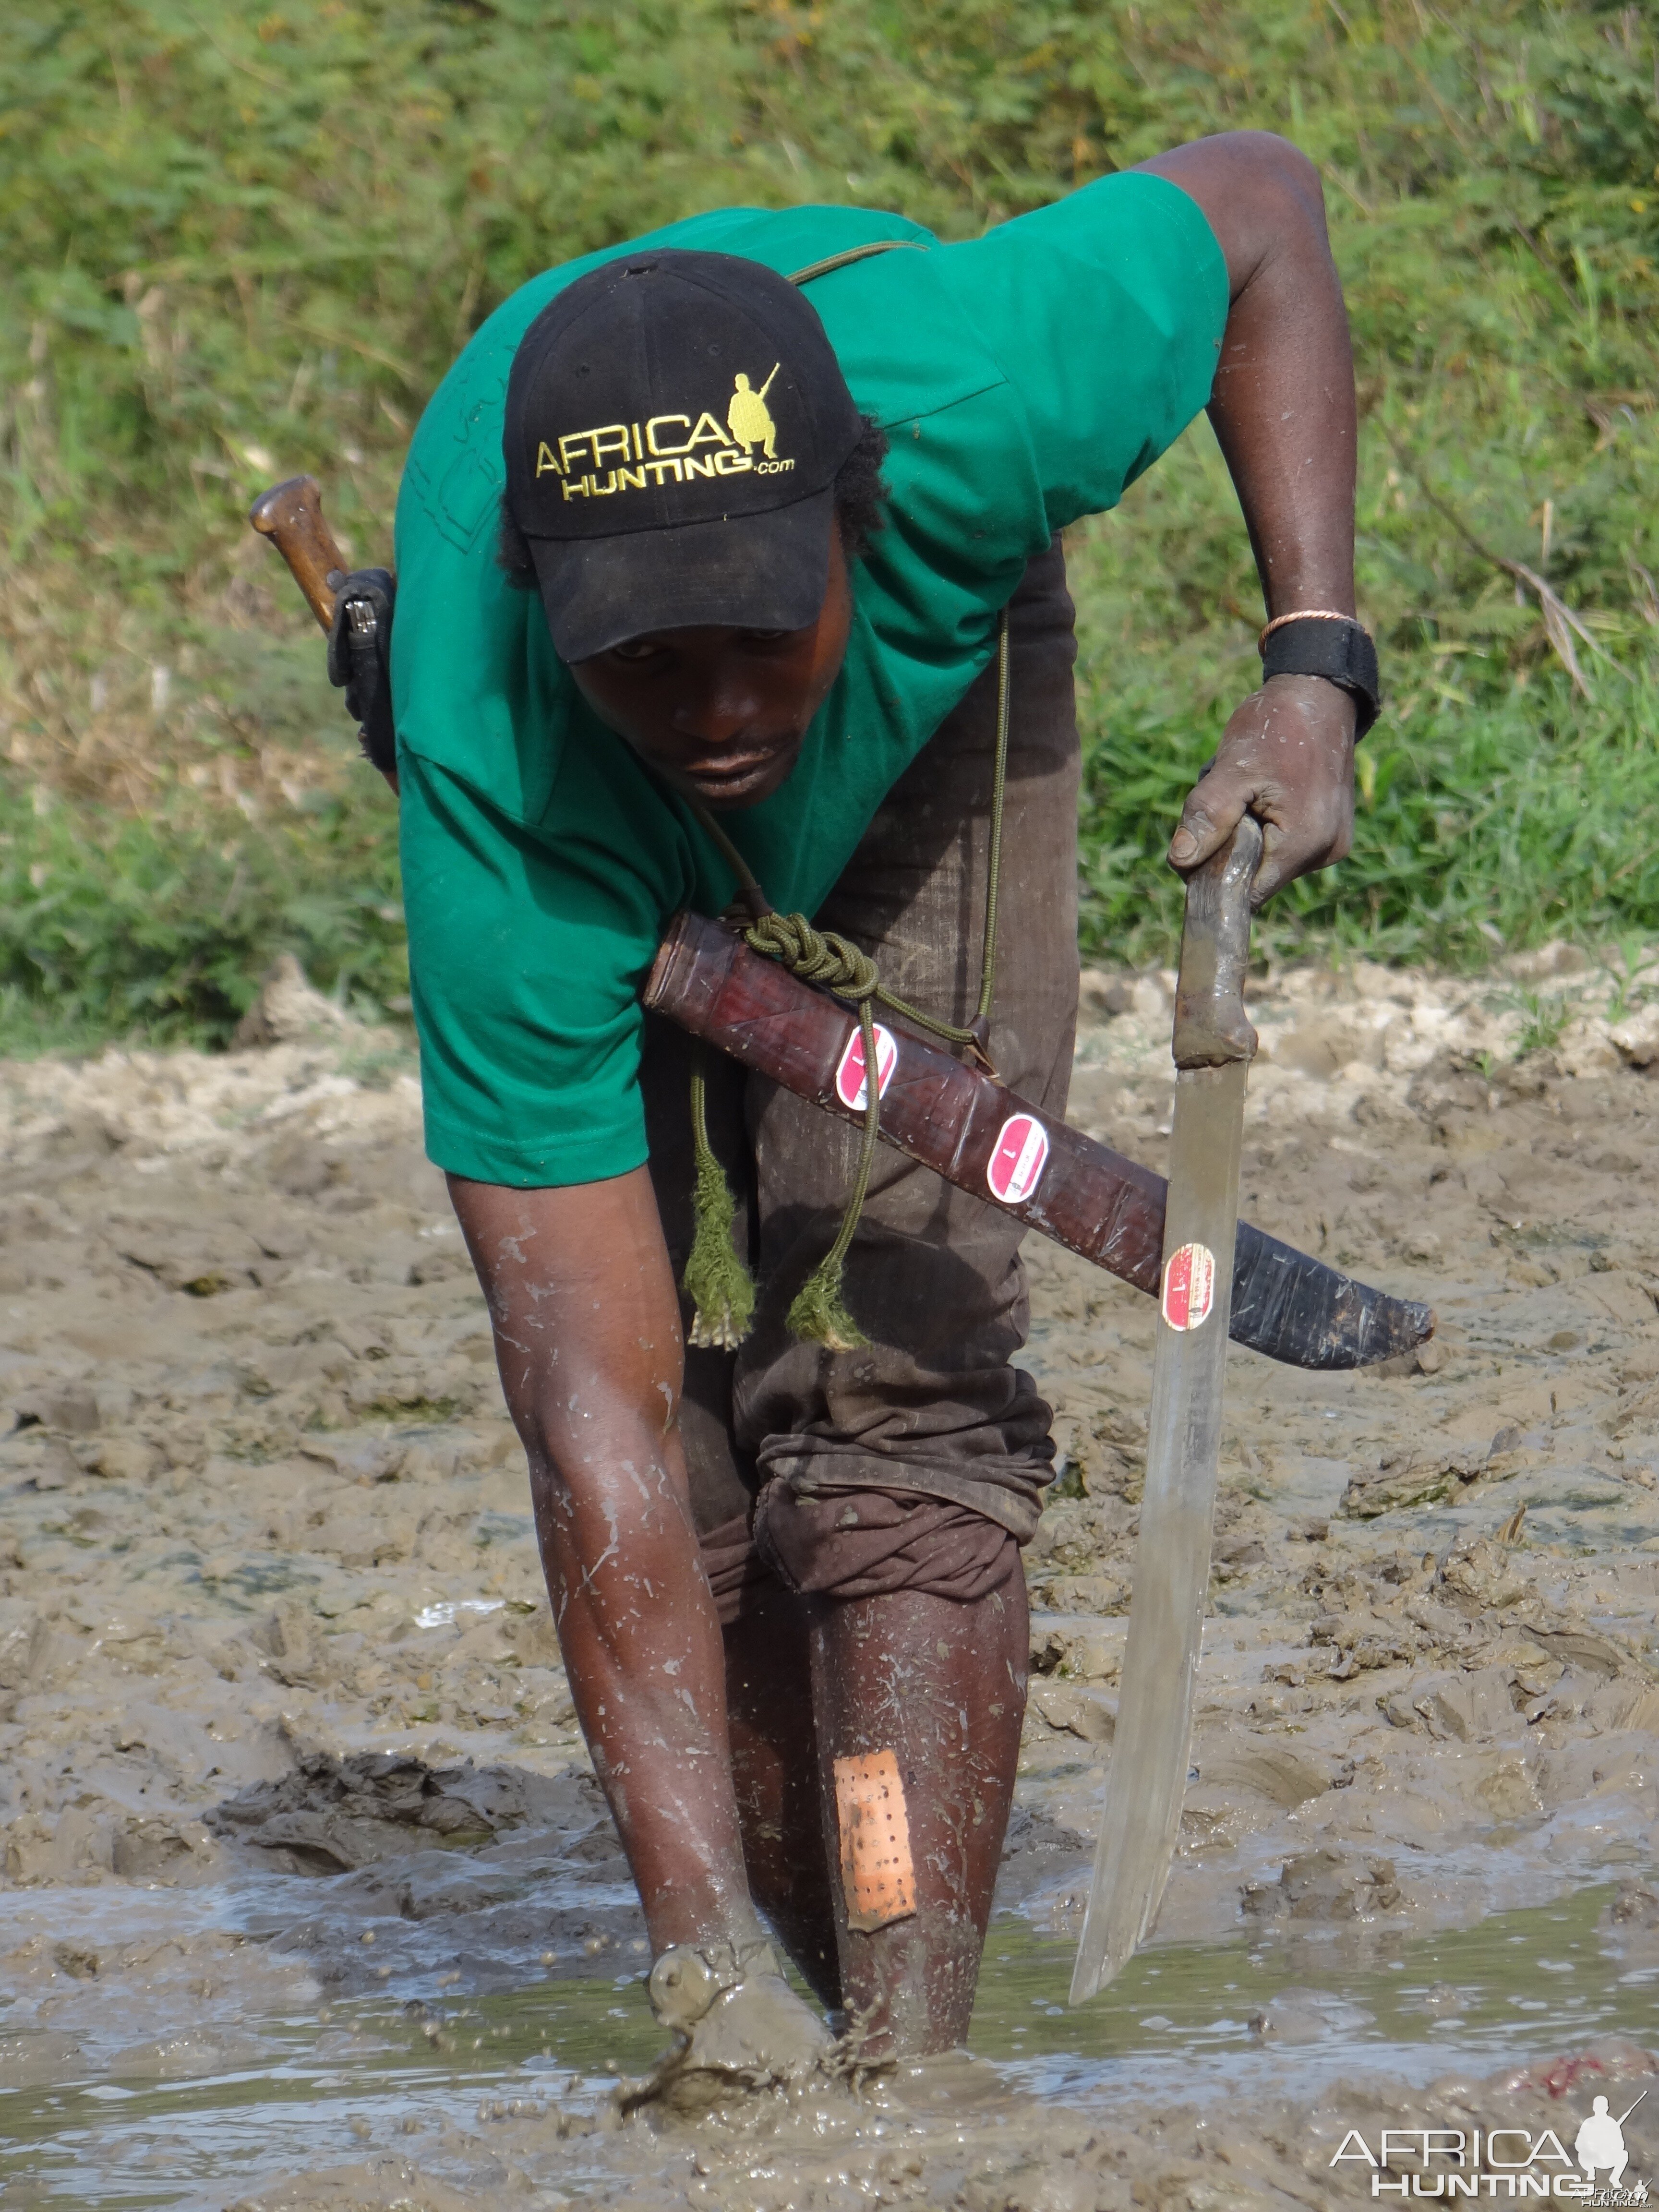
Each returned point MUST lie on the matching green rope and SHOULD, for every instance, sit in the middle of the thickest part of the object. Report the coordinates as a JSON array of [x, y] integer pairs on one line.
[[854, 254], [749, 893], [716, 1279], [819, 1313], [787, 946], [721, 1288], [816, 955], [981, 1024]]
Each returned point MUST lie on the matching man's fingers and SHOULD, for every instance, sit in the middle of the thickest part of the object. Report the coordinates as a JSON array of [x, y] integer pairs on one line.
[[1277, 865], [1285, 757], [1206, 825], [1285, 856]]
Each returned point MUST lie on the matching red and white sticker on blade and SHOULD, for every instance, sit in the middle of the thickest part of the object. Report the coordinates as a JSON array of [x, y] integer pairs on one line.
[[849, 1075], [1017, 1158], [1189, 1286]]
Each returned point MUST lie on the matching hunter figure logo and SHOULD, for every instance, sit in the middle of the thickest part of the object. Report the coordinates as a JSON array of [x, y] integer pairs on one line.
[[1601, 2143], [669, 449], [1017, 1158], [750, 419], [1189, 1286]]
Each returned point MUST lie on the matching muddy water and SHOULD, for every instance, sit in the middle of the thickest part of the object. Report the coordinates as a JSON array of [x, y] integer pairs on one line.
[[1186, 2024], [309, 1897]]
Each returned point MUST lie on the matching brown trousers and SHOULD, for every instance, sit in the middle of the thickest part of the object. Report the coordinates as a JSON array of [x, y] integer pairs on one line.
[[919, 1463]]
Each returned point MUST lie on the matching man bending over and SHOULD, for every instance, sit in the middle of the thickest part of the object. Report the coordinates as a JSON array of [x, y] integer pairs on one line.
[[688, 548]]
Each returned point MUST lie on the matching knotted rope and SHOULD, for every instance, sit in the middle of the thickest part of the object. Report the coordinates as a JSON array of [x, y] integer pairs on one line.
[[720, 1287], [819, 1311]]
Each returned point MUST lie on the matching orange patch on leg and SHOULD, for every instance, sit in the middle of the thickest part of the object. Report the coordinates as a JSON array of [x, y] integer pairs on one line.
[[877, 1873]]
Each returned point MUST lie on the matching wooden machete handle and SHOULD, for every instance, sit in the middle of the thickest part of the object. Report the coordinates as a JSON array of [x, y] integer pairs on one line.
[[1211, 1025], [291, 515]]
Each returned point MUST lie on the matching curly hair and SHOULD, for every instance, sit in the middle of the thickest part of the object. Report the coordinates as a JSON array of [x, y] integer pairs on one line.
[[860, 491], [861, 509]]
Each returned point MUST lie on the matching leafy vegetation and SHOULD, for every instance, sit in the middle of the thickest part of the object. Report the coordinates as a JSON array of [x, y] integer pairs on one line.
[[242, 241]]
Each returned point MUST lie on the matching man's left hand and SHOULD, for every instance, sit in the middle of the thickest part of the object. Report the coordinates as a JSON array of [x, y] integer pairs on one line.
[[1287, 757]]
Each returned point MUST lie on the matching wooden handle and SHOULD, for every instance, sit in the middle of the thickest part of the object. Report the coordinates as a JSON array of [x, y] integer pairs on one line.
[[1211, 1027], [291, 515]]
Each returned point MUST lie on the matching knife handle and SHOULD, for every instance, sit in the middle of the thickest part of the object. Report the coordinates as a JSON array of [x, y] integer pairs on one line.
[[1211, 1026], [291, 515]]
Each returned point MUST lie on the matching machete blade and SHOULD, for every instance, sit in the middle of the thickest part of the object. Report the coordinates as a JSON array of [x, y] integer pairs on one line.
[[1147, 1780]]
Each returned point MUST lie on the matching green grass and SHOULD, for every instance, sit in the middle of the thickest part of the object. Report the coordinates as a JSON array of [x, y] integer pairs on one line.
[[159, 924], [243, 240]]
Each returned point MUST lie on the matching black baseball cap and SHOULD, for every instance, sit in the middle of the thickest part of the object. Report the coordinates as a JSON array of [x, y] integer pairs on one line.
[[674, 425]]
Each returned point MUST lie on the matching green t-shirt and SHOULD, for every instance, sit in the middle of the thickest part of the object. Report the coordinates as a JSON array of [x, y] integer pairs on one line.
[[1024, 379]]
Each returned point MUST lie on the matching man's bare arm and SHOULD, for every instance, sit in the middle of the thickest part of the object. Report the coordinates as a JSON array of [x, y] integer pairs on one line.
[[587, 1337], [1283, 407]]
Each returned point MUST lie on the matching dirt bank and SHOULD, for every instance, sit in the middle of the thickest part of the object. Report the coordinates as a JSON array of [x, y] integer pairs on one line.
[[287, 1758]]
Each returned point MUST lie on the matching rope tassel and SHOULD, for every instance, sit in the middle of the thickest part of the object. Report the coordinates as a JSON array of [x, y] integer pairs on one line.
[[720, 1286], [819, 1314]]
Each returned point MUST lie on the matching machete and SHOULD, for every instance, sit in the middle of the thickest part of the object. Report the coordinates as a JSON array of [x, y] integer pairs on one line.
[[1147, 1781], [952, 1117]]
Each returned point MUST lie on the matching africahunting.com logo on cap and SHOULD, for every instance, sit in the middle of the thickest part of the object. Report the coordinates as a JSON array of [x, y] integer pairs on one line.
[[1508, 2162], [670, 448]]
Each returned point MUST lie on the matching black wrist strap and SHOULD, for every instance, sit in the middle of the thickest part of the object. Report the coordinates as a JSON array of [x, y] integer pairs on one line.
[[1341, 652]]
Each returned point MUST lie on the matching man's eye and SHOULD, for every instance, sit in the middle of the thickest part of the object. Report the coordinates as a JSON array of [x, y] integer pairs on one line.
[[635, 648], [765, 636]]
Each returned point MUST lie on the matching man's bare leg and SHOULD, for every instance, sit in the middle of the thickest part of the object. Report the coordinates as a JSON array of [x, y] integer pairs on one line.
[[588, 1338], [775, 1766], [641, 1643], [941, 1685]]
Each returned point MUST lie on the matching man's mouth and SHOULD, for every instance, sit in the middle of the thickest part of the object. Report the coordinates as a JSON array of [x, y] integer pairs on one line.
[[727, 774], [729, 771]]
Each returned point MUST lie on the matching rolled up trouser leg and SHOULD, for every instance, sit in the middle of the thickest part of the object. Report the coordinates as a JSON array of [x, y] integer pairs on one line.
[[874, 1543]]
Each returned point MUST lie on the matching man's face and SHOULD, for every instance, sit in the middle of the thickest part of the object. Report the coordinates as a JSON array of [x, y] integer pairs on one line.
[[722, 713]]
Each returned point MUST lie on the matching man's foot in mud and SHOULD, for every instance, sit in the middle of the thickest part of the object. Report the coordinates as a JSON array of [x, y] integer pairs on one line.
[[739, 2028]]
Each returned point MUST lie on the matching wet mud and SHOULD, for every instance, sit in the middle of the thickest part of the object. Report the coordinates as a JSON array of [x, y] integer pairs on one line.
[[308, 1896]]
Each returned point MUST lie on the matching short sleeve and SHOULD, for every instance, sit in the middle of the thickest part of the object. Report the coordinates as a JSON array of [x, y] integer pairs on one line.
[[525, 967], [1105, 312]]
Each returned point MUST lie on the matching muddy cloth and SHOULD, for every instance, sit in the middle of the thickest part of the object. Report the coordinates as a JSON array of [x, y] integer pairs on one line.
[[933, 1410], [856, 1543], [869, 1543]]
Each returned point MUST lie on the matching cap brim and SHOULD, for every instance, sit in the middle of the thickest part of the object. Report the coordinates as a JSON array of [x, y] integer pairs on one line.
[[767, 571]]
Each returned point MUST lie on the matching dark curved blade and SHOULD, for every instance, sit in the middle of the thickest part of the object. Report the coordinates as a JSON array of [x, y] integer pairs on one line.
[[1298, 1309]]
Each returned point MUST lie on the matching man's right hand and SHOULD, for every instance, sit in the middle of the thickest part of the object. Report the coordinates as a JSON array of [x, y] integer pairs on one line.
[[1287, 757], [587, 1337]]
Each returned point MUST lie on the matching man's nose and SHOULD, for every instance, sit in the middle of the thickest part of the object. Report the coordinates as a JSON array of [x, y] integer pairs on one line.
[[715, 712]]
